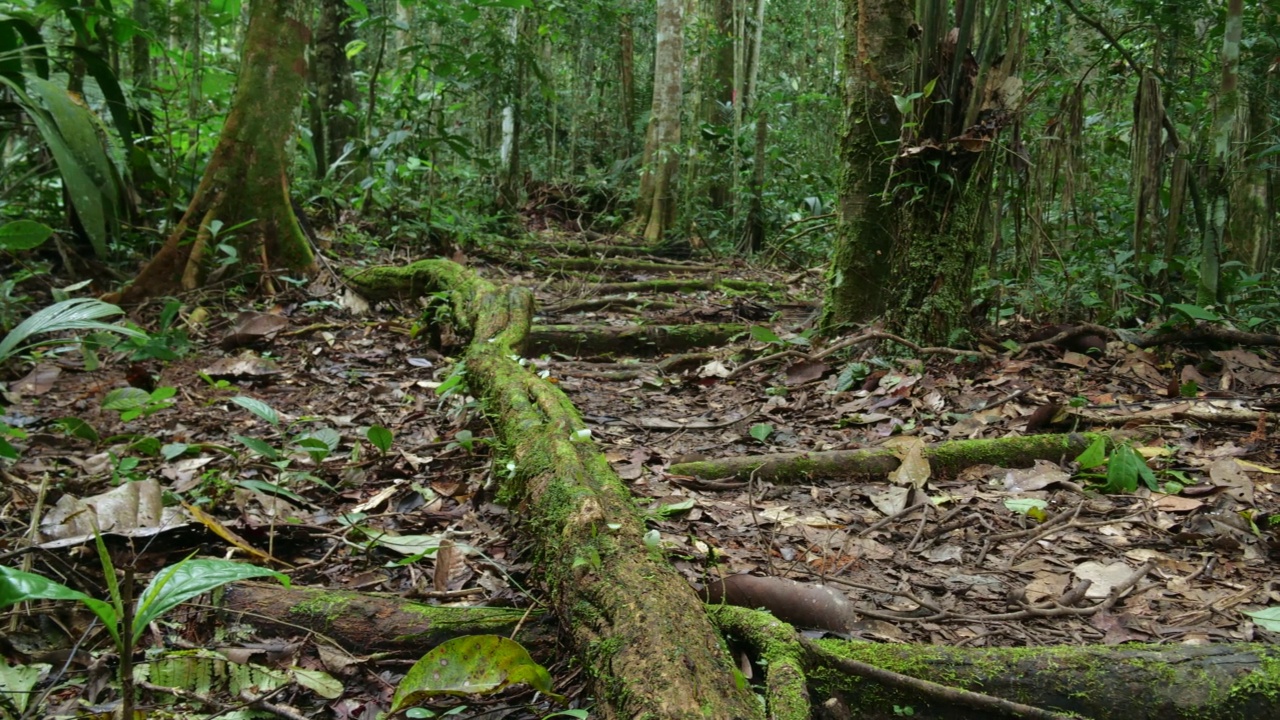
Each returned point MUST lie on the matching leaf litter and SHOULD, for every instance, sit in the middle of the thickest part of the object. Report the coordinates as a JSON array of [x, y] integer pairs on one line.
[[988, 557]]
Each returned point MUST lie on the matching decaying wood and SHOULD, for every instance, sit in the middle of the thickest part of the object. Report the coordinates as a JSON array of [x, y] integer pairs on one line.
[[946, 459], [638, 628], [629, 339], [365, 623]]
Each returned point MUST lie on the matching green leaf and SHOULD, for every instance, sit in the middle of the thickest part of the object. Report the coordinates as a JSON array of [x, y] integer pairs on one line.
[[380, 438], [666, 511], [763, 334], [1195, 312], [761, 431], [23, 235], [75, 427], [171, 451], [1122, 470], [259, 408], [268, 488], [1267, 619], [187, 579], [1024, 506], [471, 665], [1094, 455], [17, 586], [125, 398], [258, 446], [66, 316]]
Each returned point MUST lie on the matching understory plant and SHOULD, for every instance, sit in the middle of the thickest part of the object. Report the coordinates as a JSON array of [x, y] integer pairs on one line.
[[124, 620]]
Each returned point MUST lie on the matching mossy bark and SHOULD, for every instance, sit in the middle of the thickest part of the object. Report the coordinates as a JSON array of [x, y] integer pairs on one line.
[[946, 459], [367, 622], [1128, 682], [636, 624], [245, 185], [877, 58], [596, 340]]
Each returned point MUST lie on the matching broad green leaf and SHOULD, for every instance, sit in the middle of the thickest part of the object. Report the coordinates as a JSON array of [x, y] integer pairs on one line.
[[259, 408], [17, 586], [761, 431], [23, 235], [1122, 470], [763, 334], [258, 446], [471, 665], [125, 398], [18, 681], [66, 316], [187, 579], [1267, 619], [170, 451], [380, 438], [318, 682], [1094, 455], [670, 509], [1195, 312], [75, 427], [267, 488]]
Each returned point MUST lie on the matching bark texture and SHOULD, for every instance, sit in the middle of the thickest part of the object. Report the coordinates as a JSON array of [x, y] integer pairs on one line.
[[245, 185], [662, 161], [637, 626]]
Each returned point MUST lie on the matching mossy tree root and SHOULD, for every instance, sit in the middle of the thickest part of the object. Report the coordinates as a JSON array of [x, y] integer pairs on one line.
[[637, 626], [945, 459]]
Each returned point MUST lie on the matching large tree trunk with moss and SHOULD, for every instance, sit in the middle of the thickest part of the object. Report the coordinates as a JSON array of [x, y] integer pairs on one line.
[[658, 202], [952, 103], [877, 64], [332, 124], [245, 185]]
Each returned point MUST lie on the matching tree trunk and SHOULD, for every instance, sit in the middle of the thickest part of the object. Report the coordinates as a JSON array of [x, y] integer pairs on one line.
[[718, 97], [333, 125], [661, 149], [937, 185], [1218, 188], [877, 59], [509, 149], [626, 42], [245, 185]]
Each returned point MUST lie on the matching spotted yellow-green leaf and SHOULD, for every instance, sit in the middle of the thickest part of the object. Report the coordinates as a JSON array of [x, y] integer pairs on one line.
[[470, 665]]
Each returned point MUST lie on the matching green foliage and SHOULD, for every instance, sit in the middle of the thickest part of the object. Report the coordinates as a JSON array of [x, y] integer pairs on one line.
[[470, 665], [72, 315], [133, 403]]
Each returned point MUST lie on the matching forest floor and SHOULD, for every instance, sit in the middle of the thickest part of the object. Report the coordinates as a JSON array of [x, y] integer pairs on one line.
[[991, 557]]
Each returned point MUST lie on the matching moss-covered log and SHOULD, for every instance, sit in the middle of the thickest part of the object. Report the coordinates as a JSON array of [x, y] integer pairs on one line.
[[629, 339], [365, 622], [636, 625], [647, 267], [679, 285], [1128, 682], [946, 459]]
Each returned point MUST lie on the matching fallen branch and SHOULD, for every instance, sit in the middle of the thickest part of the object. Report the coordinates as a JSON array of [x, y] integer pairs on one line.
[[946, 459]]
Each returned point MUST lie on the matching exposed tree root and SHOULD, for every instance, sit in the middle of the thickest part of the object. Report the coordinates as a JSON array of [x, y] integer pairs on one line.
[[596, 340], [945, 459], [636, 625]]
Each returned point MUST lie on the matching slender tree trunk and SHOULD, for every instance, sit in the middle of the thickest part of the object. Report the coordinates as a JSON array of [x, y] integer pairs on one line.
[[509, 150], [753, 64], [1218, 188], [333, 125], [626, 63], [245, 185], [717, 97], [667, 96], [753, 237], [877, 58]]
